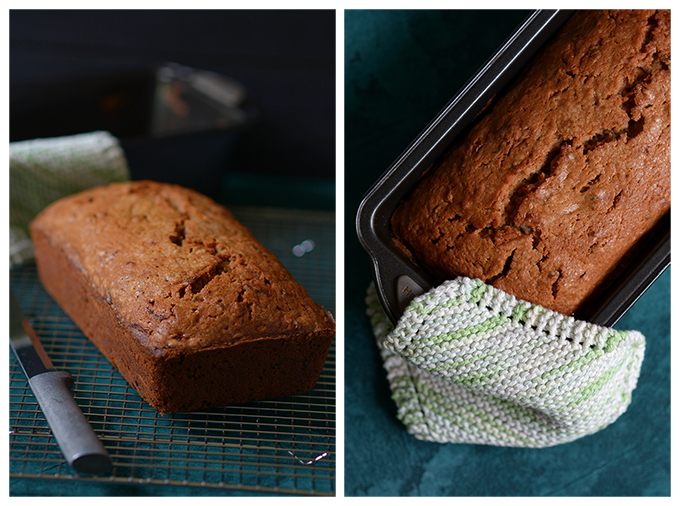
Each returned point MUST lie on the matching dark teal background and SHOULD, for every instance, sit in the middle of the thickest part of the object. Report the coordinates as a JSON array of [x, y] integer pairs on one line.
[[401, 68]]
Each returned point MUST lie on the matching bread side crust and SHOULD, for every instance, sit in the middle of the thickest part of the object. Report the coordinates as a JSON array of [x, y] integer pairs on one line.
[[247, 371]]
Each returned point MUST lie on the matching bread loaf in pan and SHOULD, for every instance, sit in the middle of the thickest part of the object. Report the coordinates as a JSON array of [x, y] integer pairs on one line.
[[563, 174], [179, 296]]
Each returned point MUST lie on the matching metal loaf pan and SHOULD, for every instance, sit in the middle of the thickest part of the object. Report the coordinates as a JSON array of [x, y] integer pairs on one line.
[[397, 277], [169, 118]]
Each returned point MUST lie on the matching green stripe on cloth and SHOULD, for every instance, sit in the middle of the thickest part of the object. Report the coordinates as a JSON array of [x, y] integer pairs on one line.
[[44, 170], [468, 363]]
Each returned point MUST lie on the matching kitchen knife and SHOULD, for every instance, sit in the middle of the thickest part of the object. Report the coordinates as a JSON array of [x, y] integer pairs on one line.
[[78, 442]]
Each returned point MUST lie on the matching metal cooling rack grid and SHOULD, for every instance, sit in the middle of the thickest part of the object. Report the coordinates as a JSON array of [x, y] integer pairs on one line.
[[282, 446]]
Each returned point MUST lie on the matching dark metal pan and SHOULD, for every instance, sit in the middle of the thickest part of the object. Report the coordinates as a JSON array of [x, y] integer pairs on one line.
[[168, 118], [397, 278]]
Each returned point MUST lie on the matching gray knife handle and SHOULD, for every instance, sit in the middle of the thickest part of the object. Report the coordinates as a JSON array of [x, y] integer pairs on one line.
[[78, 442]]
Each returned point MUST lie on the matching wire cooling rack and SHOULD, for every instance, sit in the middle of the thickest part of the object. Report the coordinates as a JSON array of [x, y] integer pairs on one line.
[[280, 446]]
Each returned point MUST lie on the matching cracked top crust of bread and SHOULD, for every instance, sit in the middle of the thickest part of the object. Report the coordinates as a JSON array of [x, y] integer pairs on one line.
[[178, 269], [562, 174]]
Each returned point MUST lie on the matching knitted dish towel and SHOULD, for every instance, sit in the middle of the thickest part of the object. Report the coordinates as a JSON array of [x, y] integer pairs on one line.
[[44, 170], [468, 363]]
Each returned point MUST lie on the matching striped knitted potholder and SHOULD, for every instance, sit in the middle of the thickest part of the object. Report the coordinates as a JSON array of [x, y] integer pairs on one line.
[[468, 363], [44, 170]]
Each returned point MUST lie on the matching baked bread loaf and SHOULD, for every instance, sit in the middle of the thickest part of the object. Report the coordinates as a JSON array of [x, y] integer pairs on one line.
[[563, 174], [179, 296]]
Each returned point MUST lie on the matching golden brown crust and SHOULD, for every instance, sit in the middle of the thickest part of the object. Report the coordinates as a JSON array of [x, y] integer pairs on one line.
[[179, 296], [563, 174]]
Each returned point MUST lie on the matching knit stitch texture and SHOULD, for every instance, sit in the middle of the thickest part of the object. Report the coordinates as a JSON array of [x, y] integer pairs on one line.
[[44, 170], [468, 363]]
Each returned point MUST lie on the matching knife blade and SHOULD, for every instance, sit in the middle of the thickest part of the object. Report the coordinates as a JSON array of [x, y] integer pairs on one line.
[[77, 440]]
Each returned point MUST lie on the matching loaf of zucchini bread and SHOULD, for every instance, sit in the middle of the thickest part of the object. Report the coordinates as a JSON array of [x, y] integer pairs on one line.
[[179, 296]]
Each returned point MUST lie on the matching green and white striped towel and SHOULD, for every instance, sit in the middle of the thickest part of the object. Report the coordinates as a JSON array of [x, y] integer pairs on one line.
[[44, 170], [468, 363]]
